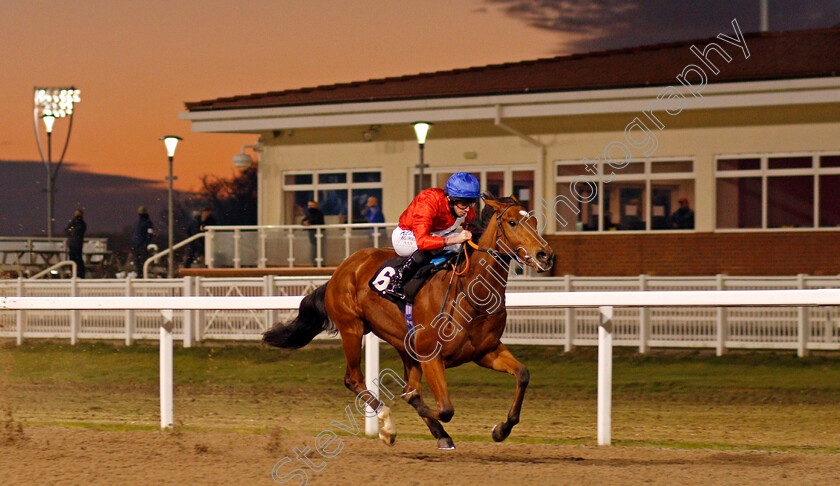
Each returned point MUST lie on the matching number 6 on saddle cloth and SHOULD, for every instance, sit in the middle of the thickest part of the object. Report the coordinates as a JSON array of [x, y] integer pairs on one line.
[[383, 275]]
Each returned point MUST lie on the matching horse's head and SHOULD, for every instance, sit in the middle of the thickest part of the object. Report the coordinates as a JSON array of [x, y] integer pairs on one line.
[[517, 235]]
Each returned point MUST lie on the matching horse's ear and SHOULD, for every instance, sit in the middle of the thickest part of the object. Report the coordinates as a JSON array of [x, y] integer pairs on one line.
[[496, 205], [515, 200]]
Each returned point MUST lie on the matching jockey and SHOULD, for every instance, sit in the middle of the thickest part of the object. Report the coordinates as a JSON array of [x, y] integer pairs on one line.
[[434, 221]]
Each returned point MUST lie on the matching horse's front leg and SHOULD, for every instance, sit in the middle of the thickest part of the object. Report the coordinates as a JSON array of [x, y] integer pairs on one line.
[[500, 359]]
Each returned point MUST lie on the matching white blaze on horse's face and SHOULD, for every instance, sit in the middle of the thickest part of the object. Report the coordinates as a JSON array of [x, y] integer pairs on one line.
[[530, 246]]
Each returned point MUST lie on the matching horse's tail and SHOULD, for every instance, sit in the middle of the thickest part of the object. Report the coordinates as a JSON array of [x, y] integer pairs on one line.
[[312, 318]]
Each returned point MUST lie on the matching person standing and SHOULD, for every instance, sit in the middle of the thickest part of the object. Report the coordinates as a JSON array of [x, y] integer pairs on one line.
[[141, 237], [373, 213], [198, 225], [313, 217], [683, 218], [75, 231]]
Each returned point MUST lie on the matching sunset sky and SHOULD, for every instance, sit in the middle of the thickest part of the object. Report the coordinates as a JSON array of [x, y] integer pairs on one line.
[[137, 62]]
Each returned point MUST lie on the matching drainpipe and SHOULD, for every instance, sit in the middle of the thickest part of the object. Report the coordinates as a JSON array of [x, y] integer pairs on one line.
[[536, 143]]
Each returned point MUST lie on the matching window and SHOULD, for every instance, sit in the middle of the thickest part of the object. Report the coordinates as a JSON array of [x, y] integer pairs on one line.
[[340, 201], [516, 180], [778, 191], [639, 195]]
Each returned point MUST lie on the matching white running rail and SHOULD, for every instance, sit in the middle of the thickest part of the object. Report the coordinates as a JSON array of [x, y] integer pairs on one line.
[[604, 301]]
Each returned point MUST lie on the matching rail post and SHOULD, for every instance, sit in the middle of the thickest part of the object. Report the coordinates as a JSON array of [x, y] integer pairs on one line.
[[571, 321], [644, 319], [188, 322], [722, 322], [803, 328], [166, 408], [605, 375], [74, 314], [371, 375], [20, 317]]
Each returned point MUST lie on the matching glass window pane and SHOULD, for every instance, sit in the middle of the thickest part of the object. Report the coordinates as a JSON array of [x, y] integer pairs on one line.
[[334, 205], [738, 164], [631, 168], [789, 163], [790, 201], [627, 205], [570, 213], [739, 202], [298, 179], [830, 161], [676, 166], [495, 183], [830, 200], [367, 177], [671, 204], [332, 178], [571, 170], [294, 205], [523, 187]]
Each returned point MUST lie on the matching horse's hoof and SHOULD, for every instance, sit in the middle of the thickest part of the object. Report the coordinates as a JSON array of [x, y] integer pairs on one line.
[[388, 439], [446, 444], [498, 434]]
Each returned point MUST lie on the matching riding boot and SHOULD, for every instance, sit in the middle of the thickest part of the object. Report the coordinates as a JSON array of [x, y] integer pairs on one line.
[[403, 273]]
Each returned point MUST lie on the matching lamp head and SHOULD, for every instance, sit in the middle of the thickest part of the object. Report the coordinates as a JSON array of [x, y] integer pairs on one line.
[[242, 160], [171, 141], [421, 129], [49, 120]]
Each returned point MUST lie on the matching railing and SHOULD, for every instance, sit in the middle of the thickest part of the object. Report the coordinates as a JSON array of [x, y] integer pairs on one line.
[[165, 253], [291, 245], [719, 328], [65, 263], [604, 302], [24, 254]]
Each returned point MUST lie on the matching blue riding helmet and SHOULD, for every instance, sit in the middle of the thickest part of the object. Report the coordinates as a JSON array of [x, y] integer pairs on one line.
[[463, 185]]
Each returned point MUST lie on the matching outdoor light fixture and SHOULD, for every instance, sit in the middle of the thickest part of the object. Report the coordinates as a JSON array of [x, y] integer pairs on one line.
[[243, 160], [49, 104], [421, 129], [171, 142]]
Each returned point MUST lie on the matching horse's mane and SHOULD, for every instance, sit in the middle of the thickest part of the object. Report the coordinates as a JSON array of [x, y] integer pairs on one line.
[[487, 212]]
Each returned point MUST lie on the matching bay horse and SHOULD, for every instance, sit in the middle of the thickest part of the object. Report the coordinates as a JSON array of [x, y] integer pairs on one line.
[[448, 332]]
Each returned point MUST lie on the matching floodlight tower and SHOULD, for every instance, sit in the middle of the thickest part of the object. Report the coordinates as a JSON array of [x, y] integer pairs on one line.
[[52, 103]]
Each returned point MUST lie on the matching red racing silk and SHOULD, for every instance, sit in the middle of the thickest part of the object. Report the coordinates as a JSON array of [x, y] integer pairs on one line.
[[429, 213]]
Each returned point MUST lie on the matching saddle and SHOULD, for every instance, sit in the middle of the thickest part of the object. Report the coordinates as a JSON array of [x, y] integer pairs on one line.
[[383, 275]]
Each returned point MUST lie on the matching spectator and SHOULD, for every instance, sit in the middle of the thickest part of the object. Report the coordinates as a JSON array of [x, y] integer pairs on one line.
[[313, 217], [141, 237], [373, 213], [199, 224], [683, 218], [75, 231]]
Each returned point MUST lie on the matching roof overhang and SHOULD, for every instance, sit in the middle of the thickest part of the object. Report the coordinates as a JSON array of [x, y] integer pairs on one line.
[[567, 103]]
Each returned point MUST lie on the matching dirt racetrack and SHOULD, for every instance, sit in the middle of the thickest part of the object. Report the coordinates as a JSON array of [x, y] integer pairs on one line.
[[70, 456]]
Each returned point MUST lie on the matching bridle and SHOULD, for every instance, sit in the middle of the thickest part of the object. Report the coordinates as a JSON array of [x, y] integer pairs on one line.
[[493, 252]]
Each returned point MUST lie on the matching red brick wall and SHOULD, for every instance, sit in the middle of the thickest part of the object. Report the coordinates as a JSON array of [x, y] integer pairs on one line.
[[682, 254]]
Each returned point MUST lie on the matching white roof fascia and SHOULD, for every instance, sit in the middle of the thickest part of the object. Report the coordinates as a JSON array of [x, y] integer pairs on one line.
[[722, 95]]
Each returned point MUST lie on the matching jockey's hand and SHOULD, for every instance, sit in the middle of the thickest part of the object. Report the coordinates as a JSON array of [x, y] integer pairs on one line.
[[461, 237]]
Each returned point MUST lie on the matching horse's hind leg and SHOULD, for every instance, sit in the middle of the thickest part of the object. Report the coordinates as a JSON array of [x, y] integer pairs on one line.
[[354, 380], [500, 359], [412, 395]]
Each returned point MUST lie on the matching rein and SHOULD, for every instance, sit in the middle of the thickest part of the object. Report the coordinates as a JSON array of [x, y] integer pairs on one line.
[[490, 251]]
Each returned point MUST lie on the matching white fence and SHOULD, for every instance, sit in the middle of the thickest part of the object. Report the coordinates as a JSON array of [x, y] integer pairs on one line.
[[721, 328], [604, 302]]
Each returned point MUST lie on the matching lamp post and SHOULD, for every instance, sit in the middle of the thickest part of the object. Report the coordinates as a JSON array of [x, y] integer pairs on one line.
[[49, 104], [171, 141], [421, 129]]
